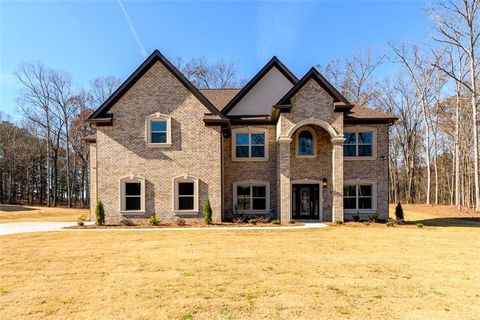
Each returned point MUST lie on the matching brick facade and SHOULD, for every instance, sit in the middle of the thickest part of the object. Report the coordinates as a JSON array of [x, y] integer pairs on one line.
[[204, 152]]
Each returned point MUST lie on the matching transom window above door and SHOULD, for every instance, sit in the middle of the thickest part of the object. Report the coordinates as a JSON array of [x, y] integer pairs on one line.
[[359, 144], [158, 130], [250, 145]]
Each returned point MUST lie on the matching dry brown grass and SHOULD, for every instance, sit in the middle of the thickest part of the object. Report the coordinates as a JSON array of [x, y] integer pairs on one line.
[[338, 272], [14, 213]]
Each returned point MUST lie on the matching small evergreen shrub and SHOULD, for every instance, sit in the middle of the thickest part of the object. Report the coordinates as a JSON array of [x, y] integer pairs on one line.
[[374, 217], [81, 220], [367, 223], [275, 221], [207, 213], [419, 225], [252, 221], [100, 214], [154, 220], [389, 223], [292, 221], [338, 221], [399, 212], [356, 217]]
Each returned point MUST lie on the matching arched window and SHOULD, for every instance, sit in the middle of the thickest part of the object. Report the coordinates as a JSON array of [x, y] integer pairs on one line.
[[306, 143]]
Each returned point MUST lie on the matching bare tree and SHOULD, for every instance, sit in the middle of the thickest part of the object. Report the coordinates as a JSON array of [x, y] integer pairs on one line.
[[206, 75], [457, 25], [102, 88]]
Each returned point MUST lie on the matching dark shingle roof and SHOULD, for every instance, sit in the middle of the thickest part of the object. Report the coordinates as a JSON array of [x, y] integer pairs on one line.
[[360, 113], [220, 97]]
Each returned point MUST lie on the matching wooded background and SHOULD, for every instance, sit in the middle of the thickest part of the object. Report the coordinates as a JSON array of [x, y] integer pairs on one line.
[[434, 152]]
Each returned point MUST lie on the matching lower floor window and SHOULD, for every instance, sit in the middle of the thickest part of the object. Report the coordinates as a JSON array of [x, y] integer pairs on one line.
[[186, 194], [132, 193], [251, 197], [358, 196]]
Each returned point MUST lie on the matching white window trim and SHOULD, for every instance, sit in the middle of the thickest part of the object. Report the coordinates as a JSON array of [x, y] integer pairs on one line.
[[176, 181], [148, 126], [249, 130], [314, 143], [122, 204], [251, 183], [360, 129], [363, 182]]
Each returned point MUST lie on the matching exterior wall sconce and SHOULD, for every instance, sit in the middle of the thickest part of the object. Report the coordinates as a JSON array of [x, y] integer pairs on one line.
[[324, 182]]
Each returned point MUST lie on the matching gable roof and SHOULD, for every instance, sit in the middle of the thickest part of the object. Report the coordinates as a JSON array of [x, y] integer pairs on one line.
[[315, 75], [274, 62], [101, 112], [220, 97]]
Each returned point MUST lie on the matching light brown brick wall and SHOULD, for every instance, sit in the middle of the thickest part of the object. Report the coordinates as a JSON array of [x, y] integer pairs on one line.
[[376, 170], [93, 179], [122, 149], [235, 171]]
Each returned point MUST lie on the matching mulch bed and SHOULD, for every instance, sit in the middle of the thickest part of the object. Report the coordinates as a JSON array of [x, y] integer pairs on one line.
[[186, 225]]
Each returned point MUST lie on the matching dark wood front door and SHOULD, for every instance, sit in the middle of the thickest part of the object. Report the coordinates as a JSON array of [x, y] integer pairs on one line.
[[305, 201]]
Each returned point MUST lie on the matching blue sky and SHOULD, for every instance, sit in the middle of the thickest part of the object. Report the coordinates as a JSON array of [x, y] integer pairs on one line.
[[99, 38]]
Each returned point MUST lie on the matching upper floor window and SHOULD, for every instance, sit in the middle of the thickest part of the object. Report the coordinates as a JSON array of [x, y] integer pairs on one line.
[[306, 143], [132, 192], [158, 130], [250, 144], [359, 143]]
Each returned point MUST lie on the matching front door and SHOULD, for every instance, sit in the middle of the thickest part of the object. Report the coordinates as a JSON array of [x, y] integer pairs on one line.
[[305, 204]]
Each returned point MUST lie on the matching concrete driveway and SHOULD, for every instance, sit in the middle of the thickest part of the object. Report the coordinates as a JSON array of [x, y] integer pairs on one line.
[[22, 227]]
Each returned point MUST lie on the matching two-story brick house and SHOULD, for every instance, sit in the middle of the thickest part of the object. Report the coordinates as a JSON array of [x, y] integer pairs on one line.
[[280, 146]]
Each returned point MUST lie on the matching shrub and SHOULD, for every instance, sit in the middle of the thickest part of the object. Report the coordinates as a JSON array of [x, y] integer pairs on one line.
[[275, 221], [263, 219], [419, 225], [81, 220], [127, 222], [80, 223], [338, 221], [292, 221], [252, 221], [181, 222], [367, 223], [399, 212], [374, 217], [238, 220], [356, 217], [389, 223], [154, 220], [207, 213], [99, 214]]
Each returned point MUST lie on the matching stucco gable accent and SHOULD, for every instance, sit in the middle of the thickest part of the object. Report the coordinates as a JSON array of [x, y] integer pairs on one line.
[[273, 63], [156, 56]]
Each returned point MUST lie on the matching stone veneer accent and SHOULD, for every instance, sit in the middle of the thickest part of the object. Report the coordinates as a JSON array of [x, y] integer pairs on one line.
[[122, 150]]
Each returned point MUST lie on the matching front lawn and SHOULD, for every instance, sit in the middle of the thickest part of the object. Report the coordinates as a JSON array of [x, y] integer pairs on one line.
[[17, 213], [337, 272]]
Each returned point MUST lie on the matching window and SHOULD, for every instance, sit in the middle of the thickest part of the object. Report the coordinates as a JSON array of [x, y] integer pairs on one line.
[[359, 196], [251, 196], [132, 192], [158, 130], [185, 194], [359, 144], [305, 143], [250, 144]]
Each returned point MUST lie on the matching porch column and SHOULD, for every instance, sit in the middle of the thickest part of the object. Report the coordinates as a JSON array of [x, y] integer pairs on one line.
[[337, 178], [284, 192]]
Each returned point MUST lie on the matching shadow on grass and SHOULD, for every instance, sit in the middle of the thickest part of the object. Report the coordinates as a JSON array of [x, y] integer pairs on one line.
[[13, 207], [449, 222]]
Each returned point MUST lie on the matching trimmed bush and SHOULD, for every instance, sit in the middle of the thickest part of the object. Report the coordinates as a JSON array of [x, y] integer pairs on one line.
[[252, 221], [292, 221], [154, 220], [399, 212], [338, 221], [356, 217], [99, 214], [275, 221], [207, 213], [419, 225], [389, 223], [374, 217]]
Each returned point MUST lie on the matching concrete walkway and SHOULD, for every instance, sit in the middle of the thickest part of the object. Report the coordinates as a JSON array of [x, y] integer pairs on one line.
[[24, 227]]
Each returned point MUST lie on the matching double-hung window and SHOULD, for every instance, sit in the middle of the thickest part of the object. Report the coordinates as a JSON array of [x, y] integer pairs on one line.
[[132, 194], [251, 196], [250, 145], [359, 197], [359, 144], [158, 130], [185, 194]]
